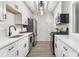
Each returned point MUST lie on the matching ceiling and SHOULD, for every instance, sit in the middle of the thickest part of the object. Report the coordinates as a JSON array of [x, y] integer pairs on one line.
[[48, 5]]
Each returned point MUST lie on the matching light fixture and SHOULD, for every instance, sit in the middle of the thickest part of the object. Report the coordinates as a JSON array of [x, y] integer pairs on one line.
[[41, 7]]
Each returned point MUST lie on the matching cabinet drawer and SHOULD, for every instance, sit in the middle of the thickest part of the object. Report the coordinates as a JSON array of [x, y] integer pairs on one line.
[[8, 50], [68, 51], [56, 39], [21, 41], [72, 53], [65, 48]]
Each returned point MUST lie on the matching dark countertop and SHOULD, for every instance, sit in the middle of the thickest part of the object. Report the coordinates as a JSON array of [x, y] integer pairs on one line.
[[58, 33]]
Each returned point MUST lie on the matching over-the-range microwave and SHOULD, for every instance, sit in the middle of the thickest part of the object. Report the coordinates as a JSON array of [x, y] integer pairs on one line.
[[63, 19]]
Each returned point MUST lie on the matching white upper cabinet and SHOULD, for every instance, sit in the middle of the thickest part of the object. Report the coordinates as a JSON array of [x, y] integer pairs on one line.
[[20, 10], [13, 7], [65, 6], [62, 7], [25, 13], [2, 10], [19, 6]]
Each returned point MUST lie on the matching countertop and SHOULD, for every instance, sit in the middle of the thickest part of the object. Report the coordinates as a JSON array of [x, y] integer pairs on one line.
[[7, 41], [58, 33], [73, 43]]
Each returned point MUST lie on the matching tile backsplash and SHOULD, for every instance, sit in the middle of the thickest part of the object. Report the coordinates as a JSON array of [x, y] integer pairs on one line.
[[62, 27]]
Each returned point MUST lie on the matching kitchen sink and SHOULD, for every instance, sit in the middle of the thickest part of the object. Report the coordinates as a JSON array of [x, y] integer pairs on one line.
[[16, 36]]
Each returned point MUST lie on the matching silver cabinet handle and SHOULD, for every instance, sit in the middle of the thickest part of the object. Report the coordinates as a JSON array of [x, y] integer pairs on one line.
[[65, 48], [17, 52], [16, 6], [55, 45], [25, 45], [10, 48], [64, 55], [5, 16]]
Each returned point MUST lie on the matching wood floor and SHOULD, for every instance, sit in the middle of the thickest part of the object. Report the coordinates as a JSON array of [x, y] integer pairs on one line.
[[42, 49]]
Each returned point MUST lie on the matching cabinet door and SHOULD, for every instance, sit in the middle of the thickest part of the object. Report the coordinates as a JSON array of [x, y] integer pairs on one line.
[[2, 11], [28, 42], [60, 52], [24, 18], [8, 51], [11, 49], [26, 46], [12, 4], [72, 53], [24, 15], [19, 6], [23, 47], [19, 51], [3, 52], [56, 47]]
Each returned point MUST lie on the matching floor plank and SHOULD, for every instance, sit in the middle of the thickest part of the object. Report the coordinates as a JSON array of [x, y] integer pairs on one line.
[[42, 49]]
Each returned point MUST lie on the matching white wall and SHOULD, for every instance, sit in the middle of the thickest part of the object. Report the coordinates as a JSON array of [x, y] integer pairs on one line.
[[56, 12], [44, 26], [5, 24]]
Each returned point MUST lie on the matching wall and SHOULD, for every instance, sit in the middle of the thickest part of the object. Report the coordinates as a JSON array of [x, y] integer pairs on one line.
[[44, 26], [62, 7], [5, 24], [56, 12], [71, 9]]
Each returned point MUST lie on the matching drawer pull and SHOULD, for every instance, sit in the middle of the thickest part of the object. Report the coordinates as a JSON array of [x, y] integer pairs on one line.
[[11, 48], [64, 55], [55, 45], [17, 52], [65, 48], [25, 45], [16, 6]]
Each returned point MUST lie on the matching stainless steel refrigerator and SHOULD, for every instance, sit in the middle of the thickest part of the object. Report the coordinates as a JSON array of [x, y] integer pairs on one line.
[[32, 27]]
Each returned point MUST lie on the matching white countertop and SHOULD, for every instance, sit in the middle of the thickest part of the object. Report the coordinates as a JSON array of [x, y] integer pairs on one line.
[[73, 43], [6, 41]]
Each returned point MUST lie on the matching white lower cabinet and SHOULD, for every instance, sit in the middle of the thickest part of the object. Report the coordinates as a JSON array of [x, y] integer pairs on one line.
[[22, 47], [72, 53], [63, 50], [68, 52], [59, 44], [16, 49], [25, 47], [8, 51], [19, 51], [56, 47]]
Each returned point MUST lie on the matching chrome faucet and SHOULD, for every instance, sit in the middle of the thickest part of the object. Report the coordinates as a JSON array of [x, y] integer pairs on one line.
[[10, 29]]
